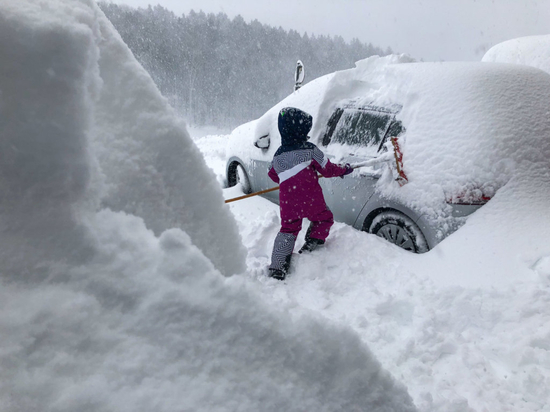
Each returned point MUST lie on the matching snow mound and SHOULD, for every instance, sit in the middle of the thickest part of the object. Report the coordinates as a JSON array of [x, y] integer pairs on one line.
[[149, 324], [151, 166], [531, 51], [148, 164], [97, 311]]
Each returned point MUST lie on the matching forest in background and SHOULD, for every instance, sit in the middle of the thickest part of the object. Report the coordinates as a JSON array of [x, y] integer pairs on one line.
[[220, 71]]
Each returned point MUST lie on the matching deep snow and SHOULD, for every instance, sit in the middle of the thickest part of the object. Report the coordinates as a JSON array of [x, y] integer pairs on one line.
[[114, 237], [73, 93], [464, 326], [142, 321]]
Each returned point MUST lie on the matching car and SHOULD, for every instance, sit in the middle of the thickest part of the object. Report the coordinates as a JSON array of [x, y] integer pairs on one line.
[[449, 126], [531, 51]]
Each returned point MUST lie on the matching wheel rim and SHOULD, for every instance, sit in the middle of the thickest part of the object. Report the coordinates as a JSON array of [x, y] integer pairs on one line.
[[397, 235]]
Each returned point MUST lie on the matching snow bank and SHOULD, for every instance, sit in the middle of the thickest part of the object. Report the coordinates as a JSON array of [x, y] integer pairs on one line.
[[504, 242], [48, 76], [149, 324], [531, 51], [97, 312], [149, 165], [152, 169]]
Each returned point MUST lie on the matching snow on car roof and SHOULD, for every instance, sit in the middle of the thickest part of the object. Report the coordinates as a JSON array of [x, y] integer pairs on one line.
[[531, 51], [469, 125]]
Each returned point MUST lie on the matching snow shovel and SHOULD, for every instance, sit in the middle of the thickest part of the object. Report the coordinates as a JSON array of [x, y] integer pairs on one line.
[[261, 192], [399, 174]]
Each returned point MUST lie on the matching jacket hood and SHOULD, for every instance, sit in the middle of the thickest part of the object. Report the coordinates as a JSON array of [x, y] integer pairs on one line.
[[294, 125]]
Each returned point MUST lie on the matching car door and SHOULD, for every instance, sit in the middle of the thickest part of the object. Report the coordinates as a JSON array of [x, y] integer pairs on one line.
[[354, 135], [263, 181]]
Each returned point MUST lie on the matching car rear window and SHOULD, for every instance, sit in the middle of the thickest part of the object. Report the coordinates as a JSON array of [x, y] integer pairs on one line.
[[358, 127]]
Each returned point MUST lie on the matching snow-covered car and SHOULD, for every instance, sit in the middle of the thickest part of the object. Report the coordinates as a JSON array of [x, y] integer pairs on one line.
[[531, 51], [456, 126]]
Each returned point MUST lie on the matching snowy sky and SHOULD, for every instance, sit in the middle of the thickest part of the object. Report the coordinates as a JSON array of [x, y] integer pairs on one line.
[[426, 29]]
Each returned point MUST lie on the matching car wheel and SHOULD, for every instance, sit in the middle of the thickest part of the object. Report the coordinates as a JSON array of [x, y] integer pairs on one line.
[[242, 178], [400, 230], [237, 174]]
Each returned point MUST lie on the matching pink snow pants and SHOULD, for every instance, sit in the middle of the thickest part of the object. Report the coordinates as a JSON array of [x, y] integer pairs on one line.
[[320, 225]]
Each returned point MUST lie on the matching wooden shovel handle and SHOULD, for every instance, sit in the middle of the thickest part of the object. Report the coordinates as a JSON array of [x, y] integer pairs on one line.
[[261, 192], [252, 194]]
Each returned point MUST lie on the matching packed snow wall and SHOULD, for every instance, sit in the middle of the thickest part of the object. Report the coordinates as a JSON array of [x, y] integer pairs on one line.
[[97, 311], [145, 161], [48, 81], [151, 166]]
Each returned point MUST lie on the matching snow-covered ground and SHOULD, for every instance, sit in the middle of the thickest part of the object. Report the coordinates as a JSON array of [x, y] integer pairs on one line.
[[465, 327], [114, 243]]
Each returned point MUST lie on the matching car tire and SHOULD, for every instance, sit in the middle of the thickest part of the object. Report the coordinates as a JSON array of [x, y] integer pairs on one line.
[[399, 229], [237, 174]]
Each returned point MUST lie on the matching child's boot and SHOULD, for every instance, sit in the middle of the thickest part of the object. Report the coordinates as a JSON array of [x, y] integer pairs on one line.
[[311, 244]]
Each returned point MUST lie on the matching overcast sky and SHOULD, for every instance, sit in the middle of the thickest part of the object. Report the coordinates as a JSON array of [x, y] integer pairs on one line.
[[426, 29]]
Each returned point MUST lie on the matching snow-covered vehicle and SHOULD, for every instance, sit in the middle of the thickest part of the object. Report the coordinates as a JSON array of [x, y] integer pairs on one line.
[[456, 123], [531, 51]]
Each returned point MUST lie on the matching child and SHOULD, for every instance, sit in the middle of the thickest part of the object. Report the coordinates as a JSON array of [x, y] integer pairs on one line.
[[295, 167]]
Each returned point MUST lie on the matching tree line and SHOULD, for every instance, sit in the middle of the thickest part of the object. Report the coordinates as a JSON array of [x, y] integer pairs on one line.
[[220, 71]]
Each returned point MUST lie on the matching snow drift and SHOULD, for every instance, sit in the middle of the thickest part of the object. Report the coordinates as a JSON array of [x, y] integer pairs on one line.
[[530, 51], [465, 325], [148, 165], [105, 302]]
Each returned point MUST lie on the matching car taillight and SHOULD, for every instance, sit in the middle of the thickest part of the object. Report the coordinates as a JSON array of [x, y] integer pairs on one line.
[[470, 197]]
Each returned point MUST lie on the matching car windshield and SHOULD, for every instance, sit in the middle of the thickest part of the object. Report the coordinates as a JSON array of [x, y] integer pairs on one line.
[[359, 127]]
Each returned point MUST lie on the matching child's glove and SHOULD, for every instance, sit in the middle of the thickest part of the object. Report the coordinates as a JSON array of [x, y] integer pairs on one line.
[[349, 170]]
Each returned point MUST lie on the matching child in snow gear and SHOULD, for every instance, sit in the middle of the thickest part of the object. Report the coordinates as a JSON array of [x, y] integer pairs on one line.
[[295, 167]]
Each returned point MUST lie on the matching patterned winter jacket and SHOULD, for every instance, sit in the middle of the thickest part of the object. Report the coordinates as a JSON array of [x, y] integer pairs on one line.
[[296, 165]]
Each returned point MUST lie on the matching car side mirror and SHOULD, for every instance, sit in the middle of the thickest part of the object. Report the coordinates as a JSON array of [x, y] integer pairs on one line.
[[262, 142]]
